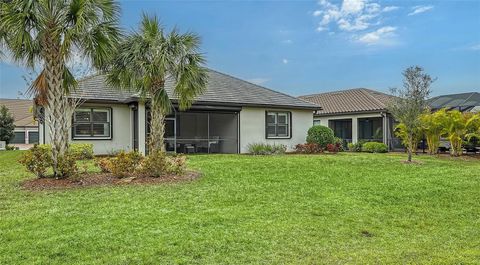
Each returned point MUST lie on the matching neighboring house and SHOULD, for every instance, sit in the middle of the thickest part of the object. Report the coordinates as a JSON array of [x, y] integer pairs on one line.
[[462, 102], [26, 128], [229, 116], [354, 115]]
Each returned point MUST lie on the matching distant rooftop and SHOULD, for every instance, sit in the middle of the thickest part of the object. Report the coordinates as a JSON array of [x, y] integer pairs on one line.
[[349, 101], [20, 109], [462, 101]]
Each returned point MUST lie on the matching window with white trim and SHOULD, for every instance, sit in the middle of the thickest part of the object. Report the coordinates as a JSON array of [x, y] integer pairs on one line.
[[92, 123], [278, 124]]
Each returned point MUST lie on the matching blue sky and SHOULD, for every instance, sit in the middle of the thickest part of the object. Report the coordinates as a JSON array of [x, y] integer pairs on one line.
[[305, 47]]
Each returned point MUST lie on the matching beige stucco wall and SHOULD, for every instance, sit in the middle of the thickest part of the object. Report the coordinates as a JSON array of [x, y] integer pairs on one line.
[[121, 134], [252, 127]]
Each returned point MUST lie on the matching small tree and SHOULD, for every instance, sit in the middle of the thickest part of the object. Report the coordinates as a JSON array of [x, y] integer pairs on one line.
[[432, 128], [409, 104], [458, 126], [6, 125]]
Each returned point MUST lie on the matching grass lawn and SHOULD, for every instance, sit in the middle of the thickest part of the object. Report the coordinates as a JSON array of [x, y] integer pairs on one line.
[[345, 208]]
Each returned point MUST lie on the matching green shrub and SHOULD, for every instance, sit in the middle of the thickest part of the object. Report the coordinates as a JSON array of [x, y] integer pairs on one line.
[[125, 163], [67, 165], [36, 160], [266, 149], [320, 135], [355, 147], [339, 144], [158, 164], [78, 150], [374, 147]]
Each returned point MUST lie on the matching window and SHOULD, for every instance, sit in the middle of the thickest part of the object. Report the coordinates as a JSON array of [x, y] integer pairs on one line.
[[92, 123], [316, 122], [278, 124]]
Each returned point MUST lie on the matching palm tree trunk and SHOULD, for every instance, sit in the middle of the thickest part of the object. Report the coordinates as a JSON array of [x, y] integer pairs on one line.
[[57, 103], [157, 127]]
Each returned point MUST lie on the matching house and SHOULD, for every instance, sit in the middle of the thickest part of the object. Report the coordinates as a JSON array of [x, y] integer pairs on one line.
[[26, 128], [354, 115], [462, 102], [229, 116]]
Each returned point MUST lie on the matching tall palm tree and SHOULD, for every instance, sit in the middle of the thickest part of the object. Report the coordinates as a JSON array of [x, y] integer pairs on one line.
[[144, 61], [49, 32]]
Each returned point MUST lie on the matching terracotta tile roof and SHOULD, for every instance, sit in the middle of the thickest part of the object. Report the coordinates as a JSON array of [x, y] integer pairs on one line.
[[349, 101], [21, 110]]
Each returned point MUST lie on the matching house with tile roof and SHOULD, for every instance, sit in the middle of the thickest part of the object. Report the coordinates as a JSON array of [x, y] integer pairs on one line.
[[462, 102], [230, 115], [355, 115], [26, 128]]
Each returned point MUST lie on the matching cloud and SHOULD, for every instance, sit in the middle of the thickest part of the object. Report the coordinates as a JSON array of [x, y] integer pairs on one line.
[[420, 9], [288, 41], [475, 47], [285, 61], [390, 8], [380, 36], [350, 15], [258, 80]]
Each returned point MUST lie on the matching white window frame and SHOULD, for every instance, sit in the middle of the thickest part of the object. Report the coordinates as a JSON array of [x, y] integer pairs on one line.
[[91, 122]]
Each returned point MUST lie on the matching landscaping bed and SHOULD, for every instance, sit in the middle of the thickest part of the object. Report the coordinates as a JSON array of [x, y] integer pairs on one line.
[[102, 179]]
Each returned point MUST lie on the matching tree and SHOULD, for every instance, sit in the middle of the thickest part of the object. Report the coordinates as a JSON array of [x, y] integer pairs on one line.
[[409, 104], [457, 127], [6, 125], [144, 61], [432, 128], [48, 33]]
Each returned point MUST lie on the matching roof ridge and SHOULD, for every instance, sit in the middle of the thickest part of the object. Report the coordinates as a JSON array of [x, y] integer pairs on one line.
[[333, 92], [260, 86], [367, 92]]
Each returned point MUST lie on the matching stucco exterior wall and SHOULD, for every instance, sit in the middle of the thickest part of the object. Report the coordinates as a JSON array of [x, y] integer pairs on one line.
[[252, 127], [121, 131]]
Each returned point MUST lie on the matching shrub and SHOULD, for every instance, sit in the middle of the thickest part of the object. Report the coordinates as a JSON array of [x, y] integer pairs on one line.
[[77, 150], [37, 160], [104, 164], [339, 144], [320, 135], [374, 147], [81, 151], [266, 149], [308, 148], [332, 148], [355, 147], [67, 165], [125, 163], [158, 164]]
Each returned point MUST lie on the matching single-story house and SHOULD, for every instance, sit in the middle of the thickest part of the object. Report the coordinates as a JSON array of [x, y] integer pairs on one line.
[[229, 116], [26, 128], [462, 102], [354, 115]]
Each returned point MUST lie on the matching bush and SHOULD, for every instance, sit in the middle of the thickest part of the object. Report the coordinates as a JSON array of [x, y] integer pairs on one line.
[[355, 147], [124, 164], [308, 148], [266, 149], [158, 164], [104, 164], [37, 160], [77, 150], [320, 135], [67, 165], [339, 144], [374, 147], [331, 148]]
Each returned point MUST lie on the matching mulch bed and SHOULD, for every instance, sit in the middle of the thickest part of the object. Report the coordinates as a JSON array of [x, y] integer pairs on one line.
[[103, 179]]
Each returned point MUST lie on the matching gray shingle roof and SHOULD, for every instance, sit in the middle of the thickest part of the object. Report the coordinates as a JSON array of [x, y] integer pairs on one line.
[[462, 100], [349, 101], [221, 89], [20, 109]]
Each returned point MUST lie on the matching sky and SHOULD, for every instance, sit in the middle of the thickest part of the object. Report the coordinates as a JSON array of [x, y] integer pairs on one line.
[[307, 47]]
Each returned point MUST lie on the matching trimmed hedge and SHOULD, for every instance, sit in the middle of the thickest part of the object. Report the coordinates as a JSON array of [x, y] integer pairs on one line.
[[320, 135], [374, 147]]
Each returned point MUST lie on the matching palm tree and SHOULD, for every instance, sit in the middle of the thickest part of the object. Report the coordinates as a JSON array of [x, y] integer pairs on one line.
[[144, 61], [49, 33]]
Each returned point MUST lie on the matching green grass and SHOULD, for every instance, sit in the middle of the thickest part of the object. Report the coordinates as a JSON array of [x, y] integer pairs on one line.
[[344, 208]]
